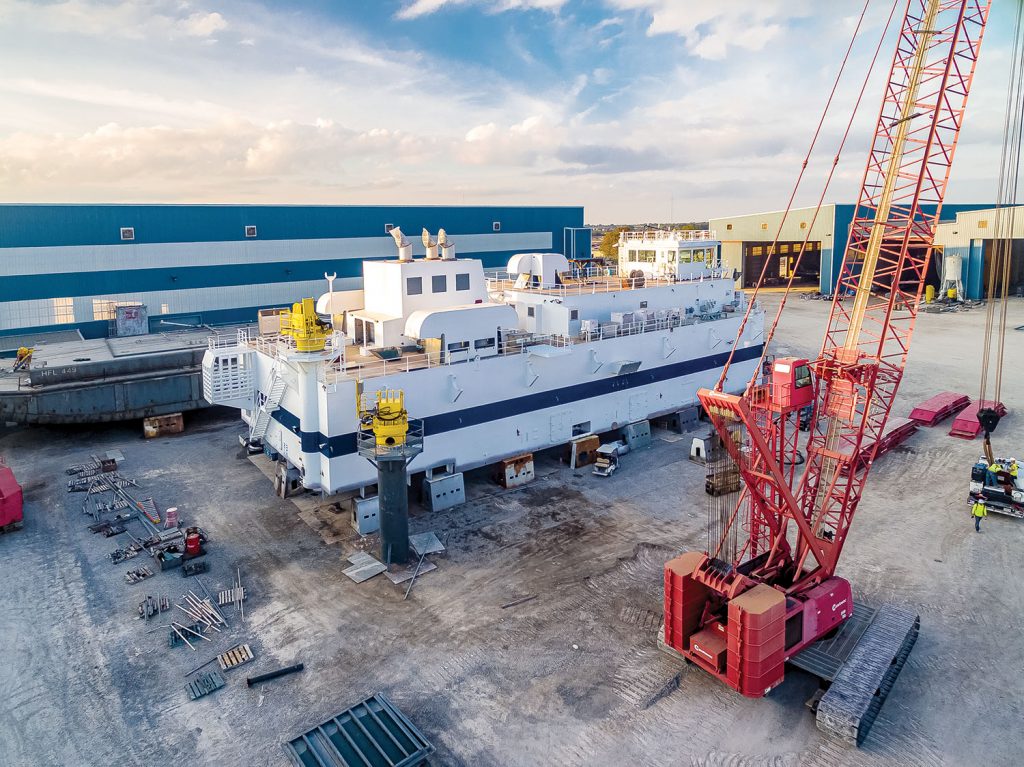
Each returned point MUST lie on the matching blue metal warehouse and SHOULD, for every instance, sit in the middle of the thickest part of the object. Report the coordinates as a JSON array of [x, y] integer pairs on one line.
[[67, 267], [746, 240]]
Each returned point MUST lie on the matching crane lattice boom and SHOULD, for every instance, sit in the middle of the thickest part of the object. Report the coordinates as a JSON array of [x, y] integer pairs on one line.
[[791, 525]]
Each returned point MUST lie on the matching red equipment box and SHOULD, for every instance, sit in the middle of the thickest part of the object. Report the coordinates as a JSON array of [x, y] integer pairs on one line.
[[966, 426], [942, 405], [10, 499], [709, 644]]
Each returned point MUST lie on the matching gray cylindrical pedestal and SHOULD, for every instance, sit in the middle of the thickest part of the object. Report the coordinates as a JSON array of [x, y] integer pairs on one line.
[[394, 510]]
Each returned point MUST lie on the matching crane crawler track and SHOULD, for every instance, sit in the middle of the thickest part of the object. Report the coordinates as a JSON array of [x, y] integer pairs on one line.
[[849, 708]]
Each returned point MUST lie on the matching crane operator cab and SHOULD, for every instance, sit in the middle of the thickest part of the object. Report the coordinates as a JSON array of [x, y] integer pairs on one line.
[[792, 384]]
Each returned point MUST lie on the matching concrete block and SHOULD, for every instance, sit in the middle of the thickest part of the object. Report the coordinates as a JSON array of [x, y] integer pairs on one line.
[[287, 480], [444, 491], [699, 450], [637, 435], [158, 425], [681, 421], [366, 515], [583, 451], [516, 471]]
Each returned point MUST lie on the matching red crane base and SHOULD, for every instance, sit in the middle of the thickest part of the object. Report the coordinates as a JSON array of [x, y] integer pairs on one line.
[[744, 639]]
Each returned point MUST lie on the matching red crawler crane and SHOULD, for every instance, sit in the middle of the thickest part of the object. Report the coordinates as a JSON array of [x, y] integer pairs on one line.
[[768, 589]]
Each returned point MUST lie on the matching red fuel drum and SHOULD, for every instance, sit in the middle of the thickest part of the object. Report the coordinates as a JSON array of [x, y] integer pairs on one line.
[[192, 544]]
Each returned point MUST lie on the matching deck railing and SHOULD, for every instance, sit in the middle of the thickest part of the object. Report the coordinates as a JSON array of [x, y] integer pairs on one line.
[[606, 280], [512, 342], [686, 235], [226, 341]]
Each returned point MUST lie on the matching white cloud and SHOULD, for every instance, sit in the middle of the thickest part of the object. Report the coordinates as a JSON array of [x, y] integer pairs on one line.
[[203, 24], [711, 27], [524, 143], [134, 20], [233, 151], [419, 8], [108, 101]]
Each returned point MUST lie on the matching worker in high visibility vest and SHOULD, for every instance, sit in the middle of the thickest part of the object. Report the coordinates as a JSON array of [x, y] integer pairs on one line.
[[978, 511], [991, 474], [1013, 471]]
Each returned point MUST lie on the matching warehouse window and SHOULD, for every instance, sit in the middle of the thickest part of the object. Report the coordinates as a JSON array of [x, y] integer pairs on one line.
[[531, 312], [462, 281], [413, 286], [496, 226], [127, 233], [104, 309], [574, 314], [729, 227], [438, 283], [483, 343], [803, 224], [764, 226], [983, 224], [63, 310], [250, 231], [165, 308]]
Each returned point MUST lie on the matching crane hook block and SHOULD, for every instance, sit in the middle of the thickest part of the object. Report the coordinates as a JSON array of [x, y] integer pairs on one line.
[[988, 417]]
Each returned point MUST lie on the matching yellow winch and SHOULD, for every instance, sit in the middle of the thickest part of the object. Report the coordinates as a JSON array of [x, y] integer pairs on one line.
[[390, 419], [302, 324]]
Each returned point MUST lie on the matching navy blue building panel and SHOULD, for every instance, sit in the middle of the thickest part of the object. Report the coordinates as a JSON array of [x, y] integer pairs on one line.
[[841, 236], [69, 266]]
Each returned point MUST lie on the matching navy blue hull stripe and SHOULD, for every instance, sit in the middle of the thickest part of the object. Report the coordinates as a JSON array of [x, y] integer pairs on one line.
[[345, 444]]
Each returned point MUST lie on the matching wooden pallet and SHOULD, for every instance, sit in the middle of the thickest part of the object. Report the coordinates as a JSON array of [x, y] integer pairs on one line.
[[230, 596], [204, 685], [138, 574], [236, 656]]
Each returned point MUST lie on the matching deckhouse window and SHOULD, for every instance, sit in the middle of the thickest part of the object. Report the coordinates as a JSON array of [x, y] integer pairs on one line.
[[462, 281], [439, 283], [413, 286]]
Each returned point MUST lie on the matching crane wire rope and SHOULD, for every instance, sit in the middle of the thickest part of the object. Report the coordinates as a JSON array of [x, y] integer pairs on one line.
[[721, 525], [1002, 245], [796, 186], [828, 181]]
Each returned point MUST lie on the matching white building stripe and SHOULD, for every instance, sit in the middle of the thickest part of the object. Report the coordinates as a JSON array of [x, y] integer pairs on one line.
[[104, 258], [19, 314]]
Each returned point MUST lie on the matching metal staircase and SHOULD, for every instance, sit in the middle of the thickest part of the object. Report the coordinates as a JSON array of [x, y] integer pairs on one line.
[[266, 404]]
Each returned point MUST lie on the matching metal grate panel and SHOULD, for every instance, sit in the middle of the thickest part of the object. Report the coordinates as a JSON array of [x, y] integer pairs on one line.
[[373, 733]]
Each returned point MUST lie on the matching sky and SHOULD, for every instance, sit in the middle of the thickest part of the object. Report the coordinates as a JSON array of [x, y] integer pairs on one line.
[[638, 110]]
